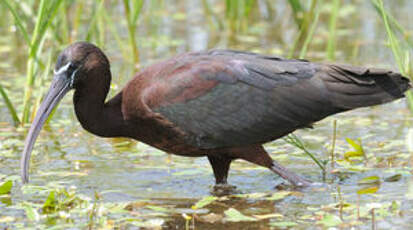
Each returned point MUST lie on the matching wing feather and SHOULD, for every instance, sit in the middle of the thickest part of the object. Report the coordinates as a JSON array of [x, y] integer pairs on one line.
[[256, 99]]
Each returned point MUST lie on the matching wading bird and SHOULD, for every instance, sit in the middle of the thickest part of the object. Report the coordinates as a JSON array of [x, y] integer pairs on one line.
[[222, 104]]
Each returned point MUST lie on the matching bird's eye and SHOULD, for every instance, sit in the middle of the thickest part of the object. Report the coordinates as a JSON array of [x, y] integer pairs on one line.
[[72, 67]]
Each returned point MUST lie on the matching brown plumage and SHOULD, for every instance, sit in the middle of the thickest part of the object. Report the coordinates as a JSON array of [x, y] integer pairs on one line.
[[221, 104]]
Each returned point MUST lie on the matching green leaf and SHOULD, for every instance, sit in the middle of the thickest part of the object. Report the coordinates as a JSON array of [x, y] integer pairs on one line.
[[395, 206], [356, 146], [10, 106], [368, 190], [256, 195], [5, 188], [350, 154], [204, 202], [330, 220], [31, 213], [268, 216], [393, 178], [158, 209], [283, 224], [279, 195], [369, 180], [234, 215], [50, 203]]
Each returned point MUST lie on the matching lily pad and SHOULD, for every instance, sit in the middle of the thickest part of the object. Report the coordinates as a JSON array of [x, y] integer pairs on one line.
[[204, 202], [5, 188], [330, 220], [393, 178], [369, 180], [279, 195], [283, 224], [234, 215], [368, 190]]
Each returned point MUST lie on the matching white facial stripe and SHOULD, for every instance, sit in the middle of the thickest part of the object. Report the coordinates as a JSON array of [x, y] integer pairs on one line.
[[72, 77], [62, 69]]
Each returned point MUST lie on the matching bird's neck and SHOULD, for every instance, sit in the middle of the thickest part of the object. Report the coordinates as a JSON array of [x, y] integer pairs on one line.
[[96, 116]]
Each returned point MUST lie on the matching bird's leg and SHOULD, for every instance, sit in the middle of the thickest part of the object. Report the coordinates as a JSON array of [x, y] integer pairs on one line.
[[258, 155], [220, 166], [293, 178]]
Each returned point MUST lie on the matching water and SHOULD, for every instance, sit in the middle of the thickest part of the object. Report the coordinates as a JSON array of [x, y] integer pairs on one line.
[[132, 175]]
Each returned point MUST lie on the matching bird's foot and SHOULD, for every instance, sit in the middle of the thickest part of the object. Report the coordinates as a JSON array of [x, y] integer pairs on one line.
[[294, 179], [290, 186], [301, 182], [224, 189]]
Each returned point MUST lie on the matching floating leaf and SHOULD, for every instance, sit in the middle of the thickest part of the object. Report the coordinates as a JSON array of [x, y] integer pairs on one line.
[[5, 188], [235, 216], [50, 203], [186, 217], [204, 202], [62, 173], [268, 216], [330, 220], [151, 224], [212, 218], [31, 213], [369, 180], [358, 149], [256, 195], [135, 205], [158, 209], [368, 190], [6, 219], [279, 195], [393, 178], [395, 206], [356, 146], [196, 171], [283, 224], [351, 154], [374, 205]]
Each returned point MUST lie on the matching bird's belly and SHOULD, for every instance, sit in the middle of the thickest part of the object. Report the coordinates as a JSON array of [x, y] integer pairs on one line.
[[167, 139], [176, 148]]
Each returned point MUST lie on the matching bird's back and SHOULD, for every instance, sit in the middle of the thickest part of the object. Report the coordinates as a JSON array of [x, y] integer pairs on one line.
[[224, 98]]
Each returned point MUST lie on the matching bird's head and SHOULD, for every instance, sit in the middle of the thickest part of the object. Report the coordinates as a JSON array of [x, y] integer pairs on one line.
[[76, 66]]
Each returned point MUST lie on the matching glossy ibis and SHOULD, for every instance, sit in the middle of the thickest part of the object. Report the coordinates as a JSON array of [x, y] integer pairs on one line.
[[222, 104]]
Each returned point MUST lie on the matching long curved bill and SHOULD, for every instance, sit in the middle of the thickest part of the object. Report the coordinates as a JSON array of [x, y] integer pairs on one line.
[[59, 87]]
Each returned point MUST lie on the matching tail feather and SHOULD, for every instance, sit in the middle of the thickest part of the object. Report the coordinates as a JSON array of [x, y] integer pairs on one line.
[[353, 87]]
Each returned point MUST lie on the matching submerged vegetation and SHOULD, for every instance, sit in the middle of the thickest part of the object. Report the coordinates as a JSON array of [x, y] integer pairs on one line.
[[85, 182]]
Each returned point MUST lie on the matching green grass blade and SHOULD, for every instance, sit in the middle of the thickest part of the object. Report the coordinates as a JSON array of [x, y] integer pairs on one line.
[[92, 25], [137, 6], [30, 64], [77, 18], [310, 33], [131, 19], [294, 140], [394, 43], [9, 106], [112, 28], [331, 44], [211, 15], [298, 11], [401, 58], [19, 23], [46, 13], [310, 20], [395, 24]]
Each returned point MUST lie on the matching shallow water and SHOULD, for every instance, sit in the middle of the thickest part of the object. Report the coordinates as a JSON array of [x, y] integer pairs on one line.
[[153, 189]]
